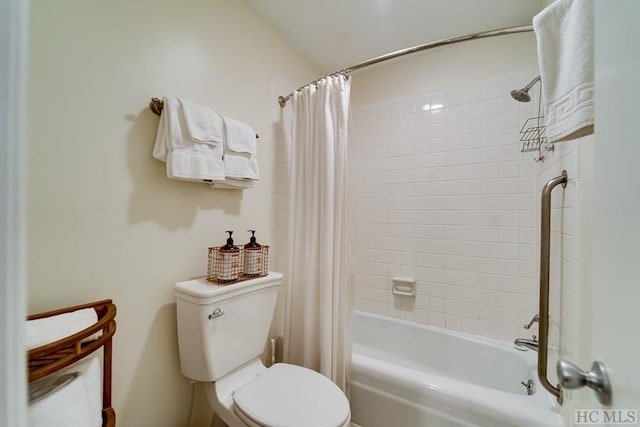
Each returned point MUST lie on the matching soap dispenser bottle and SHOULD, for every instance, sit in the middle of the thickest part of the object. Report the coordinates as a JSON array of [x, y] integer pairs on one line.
[[229, 261], [252, 256]]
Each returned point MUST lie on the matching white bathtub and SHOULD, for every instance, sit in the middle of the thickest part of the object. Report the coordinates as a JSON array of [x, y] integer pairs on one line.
[[409, 375]]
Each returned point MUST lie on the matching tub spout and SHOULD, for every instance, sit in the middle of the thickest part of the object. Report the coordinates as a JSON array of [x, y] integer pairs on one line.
[[531, 344]]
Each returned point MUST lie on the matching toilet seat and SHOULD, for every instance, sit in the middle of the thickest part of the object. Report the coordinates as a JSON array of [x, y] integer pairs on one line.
[[291, 396]]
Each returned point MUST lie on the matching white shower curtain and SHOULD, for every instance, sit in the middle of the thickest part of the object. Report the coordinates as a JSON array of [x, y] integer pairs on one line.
[[318, 311]]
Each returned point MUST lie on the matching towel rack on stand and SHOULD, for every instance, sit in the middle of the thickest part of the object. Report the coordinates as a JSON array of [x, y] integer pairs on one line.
[[157, 105], [545, 253]]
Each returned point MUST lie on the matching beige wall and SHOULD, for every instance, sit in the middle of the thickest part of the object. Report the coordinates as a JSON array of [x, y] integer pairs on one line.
[[103, 219]]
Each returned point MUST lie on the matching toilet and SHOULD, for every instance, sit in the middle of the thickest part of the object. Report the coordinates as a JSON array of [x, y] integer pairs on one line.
[[222, 331]]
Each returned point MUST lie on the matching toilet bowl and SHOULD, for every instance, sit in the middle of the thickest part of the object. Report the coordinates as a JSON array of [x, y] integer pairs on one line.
[[282, 395], [222, 330]]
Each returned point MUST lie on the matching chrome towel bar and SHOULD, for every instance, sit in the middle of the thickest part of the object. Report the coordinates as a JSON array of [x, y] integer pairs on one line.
[[545, 254]]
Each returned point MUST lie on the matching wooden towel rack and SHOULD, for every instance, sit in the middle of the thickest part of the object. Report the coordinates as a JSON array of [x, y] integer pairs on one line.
[[52, 357]]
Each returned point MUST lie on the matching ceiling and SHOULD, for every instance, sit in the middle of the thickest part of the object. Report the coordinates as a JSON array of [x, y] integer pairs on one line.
[[334, 34]]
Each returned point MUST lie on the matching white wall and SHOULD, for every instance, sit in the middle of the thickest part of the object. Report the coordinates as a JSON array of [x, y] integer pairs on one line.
[[103, 219], [446, 196]]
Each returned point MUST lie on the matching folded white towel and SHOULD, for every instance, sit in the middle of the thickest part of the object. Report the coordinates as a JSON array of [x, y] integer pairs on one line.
[[564, 31], [40, 332], [76, 403], [240, 154], [186, 158], [239, 136], [203, 124]]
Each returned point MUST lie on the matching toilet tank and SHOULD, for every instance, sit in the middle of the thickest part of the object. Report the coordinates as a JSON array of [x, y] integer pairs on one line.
[[222, 327]]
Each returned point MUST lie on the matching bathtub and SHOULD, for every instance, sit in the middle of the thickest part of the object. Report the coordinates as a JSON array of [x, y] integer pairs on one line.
[[405, 374]]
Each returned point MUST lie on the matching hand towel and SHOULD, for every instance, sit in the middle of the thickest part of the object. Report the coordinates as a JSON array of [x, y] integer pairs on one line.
[[239, 136], [240, 154], [40, 332], [564, 31], [186, 158], [203, 124]]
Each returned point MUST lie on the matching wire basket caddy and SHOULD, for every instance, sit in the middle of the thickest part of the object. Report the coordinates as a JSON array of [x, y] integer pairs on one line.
[[225, 267], [532, 136]]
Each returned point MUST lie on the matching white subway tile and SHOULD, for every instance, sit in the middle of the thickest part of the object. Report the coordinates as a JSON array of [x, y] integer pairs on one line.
[[437, 319], [453, 322], [437, 305], [454, 97], [472, 93], [471, 310], [471, 294]]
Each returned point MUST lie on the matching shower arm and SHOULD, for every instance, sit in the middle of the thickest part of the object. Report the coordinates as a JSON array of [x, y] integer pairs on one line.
[[531, 83], [545, 254]]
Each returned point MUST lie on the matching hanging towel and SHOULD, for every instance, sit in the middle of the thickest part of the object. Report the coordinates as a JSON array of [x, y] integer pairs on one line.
[[240, 154], [203, 124], [186, 158], [564, 31], [40, 332]]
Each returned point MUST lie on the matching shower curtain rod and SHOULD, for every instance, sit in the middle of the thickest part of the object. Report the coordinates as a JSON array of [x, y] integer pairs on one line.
[[282, 100]]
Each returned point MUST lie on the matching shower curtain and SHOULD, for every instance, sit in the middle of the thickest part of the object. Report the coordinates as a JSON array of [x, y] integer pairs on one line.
[[318, 308]]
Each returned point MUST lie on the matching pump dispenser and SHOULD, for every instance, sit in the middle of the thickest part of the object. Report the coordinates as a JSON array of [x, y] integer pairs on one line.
[[229, 260], [252, 256]]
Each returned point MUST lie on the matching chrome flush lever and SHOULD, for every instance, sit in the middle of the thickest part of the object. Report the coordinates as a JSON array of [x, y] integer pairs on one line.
[[536, 318], [216, 313]]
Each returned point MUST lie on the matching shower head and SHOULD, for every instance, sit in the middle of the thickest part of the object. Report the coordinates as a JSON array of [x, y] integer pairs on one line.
[[522, 95]]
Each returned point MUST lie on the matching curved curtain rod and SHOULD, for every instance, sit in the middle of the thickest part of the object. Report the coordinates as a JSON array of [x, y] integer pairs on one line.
[[282, 100]]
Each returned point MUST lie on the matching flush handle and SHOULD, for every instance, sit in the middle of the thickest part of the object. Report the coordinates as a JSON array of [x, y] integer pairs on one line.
[[216, 313], [597, 379]]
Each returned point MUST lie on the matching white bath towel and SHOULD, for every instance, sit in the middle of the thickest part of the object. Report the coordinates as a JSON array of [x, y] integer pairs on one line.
[[203, 124], [40, 332], [75, 402], [186, 158], [564, 31], [240, 154]]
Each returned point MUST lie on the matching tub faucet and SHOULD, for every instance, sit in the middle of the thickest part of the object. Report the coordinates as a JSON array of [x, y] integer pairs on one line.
[[530, 386], [531, 344]]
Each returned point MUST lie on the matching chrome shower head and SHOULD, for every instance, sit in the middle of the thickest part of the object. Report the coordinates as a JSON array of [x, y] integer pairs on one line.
[[522, 95]]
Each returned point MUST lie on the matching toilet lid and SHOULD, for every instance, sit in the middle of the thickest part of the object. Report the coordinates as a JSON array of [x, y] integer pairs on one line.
[[292, 396]]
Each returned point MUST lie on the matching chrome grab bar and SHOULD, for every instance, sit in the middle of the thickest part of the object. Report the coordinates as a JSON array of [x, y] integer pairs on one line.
[[545, 253]]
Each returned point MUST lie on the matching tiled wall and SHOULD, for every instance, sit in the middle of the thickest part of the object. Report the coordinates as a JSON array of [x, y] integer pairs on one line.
[[445, 196]]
